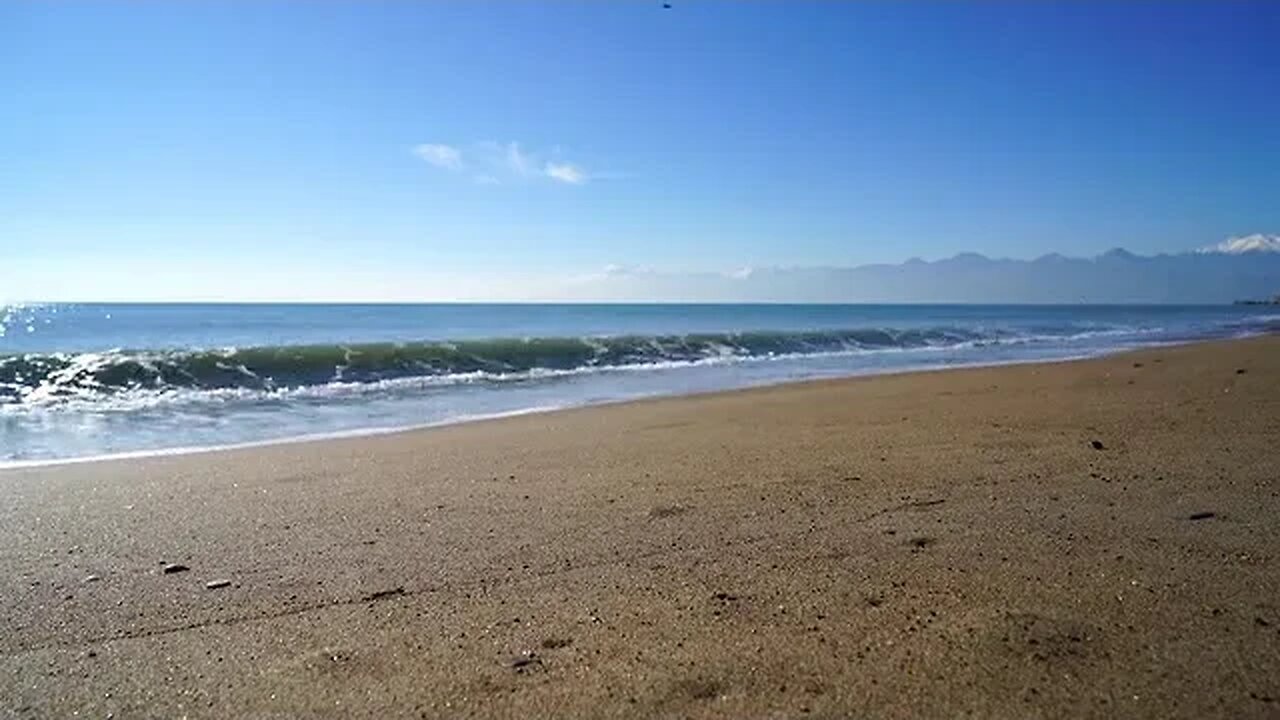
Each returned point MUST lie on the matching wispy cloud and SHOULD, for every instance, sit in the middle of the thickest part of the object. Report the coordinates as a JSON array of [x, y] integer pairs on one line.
[[493, 163], [517, 161], [565, 173], [442, 156]]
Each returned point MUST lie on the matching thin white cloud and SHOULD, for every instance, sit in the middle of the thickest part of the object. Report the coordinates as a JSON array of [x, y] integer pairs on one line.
[[565, 173], [493, 163], [518, 162], [442, 156], [612, 271]]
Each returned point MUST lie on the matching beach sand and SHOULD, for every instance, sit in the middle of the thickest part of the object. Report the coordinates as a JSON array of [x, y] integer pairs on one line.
[[933, 544]]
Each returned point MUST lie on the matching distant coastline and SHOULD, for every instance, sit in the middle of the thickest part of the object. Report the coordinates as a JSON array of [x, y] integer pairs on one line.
[[1273, 300]]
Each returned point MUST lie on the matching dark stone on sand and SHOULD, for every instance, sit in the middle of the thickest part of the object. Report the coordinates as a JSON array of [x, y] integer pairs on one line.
[[1137, 365], [91, 578], [921, 542], [1097, 445], [554, 643], [384, 594], [172, 568], [725, 597], [215, 584], [700, 689], [1241, 371], [524, 661], [1202, 515]]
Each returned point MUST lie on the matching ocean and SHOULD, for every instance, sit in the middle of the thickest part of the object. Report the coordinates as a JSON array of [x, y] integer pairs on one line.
[[92, 380]]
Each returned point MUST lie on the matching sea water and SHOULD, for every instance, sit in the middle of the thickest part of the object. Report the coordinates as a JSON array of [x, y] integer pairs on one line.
[[87, 380]]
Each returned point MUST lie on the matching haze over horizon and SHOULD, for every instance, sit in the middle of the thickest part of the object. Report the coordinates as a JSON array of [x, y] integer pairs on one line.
[[1243, 268], [433, 151]]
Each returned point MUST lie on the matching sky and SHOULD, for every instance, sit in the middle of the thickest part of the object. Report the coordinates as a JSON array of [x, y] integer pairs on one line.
[[459, 150]]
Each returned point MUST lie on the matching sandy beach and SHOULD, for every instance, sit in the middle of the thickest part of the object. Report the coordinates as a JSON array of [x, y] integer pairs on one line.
[[1083, 539]]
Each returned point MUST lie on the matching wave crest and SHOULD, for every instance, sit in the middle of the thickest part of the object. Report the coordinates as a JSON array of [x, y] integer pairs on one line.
[[55, 377]]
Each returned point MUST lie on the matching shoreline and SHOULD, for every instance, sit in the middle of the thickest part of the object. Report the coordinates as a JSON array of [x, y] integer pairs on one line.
[[356, 433], [292, 440], [1089, 538]]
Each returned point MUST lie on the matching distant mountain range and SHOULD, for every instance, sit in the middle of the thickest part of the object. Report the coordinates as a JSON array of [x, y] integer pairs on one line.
[[1238, 269]]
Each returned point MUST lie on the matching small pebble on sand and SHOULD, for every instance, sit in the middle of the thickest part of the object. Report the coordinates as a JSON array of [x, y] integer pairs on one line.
[[172, 568], [524, 660], [215, 584]]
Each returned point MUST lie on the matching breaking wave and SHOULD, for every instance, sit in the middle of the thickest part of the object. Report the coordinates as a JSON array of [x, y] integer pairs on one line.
[[45, 378]]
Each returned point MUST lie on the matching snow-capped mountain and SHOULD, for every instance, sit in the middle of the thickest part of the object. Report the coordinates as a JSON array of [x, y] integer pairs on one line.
[[1257, 242]]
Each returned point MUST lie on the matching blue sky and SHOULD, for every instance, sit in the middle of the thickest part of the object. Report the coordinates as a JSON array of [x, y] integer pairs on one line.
[[437, 150]]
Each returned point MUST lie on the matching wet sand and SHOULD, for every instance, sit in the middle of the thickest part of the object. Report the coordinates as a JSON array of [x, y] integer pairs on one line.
[[933, 544]]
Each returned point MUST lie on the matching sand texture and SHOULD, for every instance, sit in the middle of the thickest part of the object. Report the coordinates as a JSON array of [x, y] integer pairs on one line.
[[935, 545]]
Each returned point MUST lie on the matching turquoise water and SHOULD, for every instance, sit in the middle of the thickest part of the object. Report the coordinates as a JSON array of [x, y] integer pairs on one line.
[[92, 380]]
